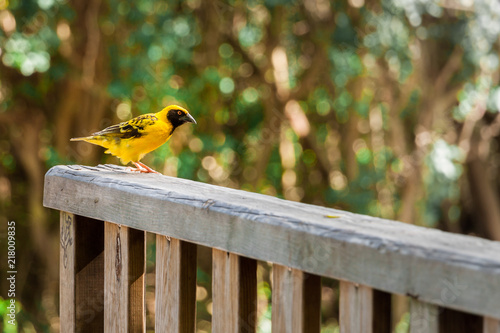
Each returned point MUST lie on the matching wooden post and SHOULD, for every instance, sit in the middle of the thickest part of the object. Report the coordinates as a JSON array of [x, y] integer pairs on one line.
[[124, 308], [81, 274], [356, 308], [234, 290], [491, 325], [424, 317], [175, 285], [296, 301]]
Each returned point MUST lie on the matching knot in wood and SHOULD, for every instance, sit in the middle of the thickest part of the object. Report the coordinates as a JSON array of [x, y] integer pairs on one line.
[[118, 258]]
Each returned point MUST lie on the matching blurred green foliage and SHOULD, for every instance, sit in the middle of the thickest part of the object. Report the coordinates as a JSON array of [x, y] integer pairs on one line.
[[7, 315], [384, 108]]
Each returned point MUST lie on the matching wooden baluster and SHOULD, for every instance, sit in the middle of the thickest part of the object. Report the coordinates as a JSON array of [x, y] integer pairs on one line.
[[356, 308], [424, 317], [81, 274], [234, 290], [491, 325], [175, 285], [363, 309], [67, 299], [296, 301], [124, 308]]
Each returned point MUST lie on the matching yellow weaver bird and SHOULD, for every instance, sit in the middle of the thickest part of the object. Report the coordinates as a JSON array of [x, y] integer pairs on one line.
[[133, 139]]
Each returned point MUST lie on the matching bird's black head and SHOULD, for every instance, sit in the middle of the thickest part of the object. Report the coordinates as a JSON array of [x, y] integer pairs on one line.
[[178, 116]]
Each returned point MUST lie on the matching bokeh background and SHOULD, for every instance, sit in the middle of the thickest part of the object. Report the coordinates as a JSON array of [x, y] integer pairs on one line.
[[386, 108]]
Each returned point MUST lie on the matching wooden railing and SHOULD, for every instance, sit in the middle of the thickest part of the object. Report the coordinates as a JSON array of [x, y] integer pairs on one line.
[[102, 263]]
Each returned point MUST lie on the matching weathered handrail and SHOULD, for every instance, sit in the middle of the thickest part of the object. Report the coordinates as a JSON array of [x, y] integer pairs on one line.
[[433, 267]]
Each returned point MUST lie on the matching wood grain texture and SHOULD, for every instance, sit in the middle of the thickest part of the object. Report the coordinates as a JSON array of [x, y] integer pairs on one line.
[[450, 270], [81, 274], [296, 301], [491, 325], [424, 317], [124, 308], [234, 290], [67, 303], [175, 285], [355, 308]]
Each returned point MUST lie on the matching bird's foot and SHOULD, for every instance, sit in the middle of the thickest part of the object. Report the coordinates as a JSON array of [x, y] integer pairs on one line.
[[130, 169], [143, 168]]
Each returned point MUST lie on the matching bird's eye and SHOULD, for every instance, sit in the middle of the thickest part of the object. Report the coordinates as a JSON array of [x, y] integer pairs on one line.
[[179, 113]]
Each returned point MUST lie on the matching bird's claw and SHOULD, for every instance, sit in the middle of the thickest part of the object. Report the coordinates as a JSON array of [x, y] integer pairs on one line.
[[142, 168]]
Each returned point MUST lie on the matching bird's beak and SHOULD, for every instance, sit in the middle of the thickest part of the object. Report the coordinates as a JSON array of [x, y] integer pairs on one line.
[[188, 118]]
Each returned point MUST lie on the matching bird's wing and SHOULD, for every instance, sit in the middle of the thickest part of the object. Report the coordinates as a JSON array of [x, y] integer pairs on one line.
[[134, 128]]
